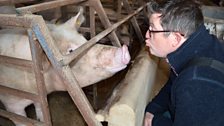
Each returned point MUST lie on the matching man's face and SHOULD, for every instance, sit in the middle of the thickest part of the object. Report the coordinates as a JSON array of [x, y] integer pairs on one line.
[[158, 43]]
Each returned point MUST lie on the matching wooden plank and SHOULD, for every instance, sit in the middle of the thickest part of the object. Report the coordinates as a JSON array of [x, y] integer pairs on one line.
[[17, 63], [9, 2], [16, 21], [37, 54], [134, 21], [22, 119], [46, 5], [18, 93], [126, 108]]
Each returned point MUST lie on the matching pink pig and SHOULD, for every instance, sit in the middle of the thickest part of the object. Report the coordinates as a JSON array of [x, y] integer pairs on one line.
[[100, 62]]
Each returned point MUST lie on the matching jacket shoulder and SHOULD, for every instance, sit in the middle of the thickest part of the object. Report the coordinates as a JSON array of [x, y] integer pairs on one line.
[[199, 75]]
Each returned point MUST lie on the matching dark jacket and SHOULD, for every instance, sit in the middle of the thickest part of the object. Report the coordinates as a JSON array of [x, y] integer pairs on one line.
[[195, 95]]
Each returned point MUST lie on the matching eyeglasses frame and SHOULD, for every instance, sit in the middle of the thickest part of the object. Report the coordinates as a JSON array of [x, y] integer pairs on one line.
[[157, 31]]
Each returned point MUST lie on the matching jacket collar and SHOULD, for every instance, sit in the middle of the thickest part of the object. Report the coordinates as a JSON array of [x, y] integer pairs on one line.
[[191, 47]]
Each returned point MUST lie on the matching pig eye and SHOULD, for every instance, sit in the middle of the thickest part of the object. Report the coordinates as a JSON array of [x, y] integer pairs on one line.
[[70, 50]]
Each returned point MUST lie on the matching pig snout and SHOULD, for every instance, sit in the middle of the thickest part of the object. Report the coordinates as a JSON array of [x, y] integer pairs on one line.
[[122, 58], [122, 55], [125, 55]]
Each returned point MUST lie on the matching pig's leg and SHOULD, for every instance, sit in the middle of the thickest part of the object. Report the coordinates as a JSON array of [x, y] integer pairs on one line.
[[20, 110], [17, 109], [39, 111], [17, 106]]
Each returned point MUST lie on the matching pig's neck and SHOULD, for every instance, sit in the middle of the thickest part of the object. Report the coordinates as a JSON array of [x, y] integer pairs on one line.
[[53, 82]]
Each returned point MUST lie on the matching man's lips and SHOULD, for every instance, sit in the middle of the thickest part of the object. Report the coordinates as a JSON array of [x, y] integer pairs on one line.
[[147, 43]]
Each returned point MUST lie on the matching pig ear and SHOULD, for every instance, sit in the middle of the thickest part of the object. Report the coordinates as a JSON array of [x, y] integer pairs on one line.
[[77, 20]]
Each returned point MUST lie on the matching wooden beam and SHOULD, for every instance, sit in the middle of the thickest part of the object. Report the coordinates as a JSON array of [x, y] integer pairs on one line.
[[127, 104]]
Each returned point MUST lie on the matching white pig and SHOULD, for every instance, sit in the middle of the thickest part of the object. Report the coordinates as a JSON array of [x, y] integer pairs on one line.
[[100, 62]]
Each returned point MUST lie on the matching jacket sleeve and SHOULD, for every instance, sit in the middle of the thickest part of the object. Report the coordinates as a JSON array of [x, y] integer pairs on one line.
[[160, 102]]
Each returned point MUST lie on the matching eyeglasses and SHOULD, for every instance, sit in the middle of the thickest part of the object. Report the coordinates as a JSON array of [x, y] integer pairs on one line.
[[152, 31]]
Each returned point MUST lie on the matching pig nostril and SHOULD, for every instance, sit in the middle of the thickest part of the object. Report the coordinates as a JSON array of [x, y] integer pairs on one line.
[[70, 51]]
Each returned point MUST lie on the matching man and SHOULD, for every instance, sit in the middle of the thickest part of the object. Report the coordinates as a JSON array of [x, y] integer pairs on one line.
[[194, 94]]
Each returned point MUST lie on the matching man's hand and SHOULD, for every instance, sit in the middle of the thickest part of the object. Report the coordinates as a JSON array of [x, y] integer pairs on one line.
[[148, 119]]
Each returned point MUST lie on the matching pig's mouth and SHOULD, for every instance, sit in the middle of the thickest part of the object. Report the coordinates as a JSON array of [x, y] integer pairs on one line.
[[122, 59], [114, 70]]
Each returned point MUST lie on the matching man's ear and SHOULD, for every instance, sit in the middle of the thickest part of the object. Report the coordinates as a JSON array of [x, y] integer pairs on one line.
[[177, 39]]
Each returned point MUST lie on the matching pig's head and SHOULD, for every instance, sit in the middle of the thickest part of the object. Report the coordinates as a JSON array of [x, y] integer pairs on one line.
[[100, 62], [66, 35]]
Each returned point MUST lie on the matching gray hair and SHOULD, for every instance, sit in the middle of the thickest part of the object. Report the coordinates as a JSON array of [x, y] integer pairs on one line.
[[184, 16]]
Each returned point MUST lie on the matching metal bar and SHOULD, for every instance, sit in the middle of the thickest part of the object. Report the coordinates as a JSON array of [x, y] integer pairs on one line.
[[17, 63], [92, 34], [22, 119], [67, 59], [46, 5], [37, 53], [119, 9], [14, 20], [18, 93], [84, 29], [96, 4], [78, 96], [46, 41], [92, 23], [134, 21], [7, 2]]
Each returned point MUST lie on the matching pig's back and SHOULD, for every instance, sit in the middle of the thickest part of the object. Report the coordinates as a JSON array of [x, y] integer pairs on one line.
[[14, 43]]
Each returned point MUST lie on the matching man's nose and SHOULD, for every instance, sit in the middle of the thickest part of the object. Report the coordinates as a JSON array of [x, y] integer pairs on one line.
[[147, 35]]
